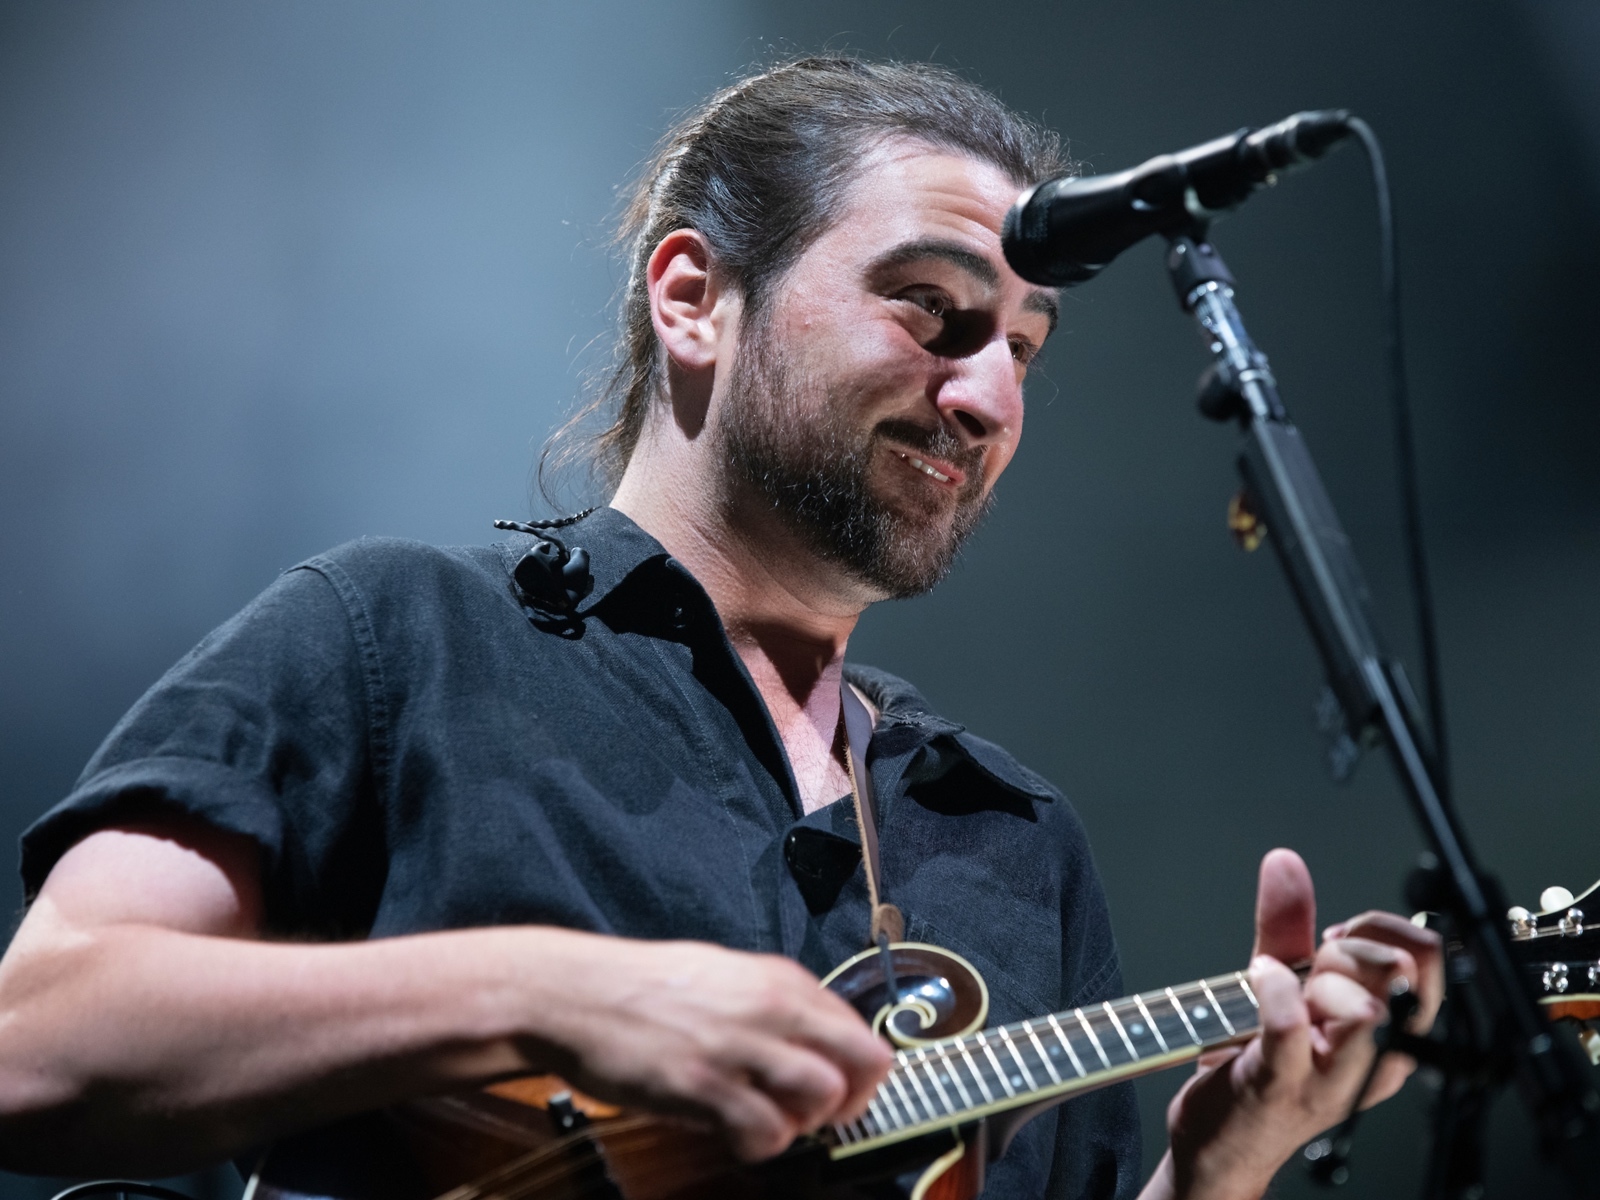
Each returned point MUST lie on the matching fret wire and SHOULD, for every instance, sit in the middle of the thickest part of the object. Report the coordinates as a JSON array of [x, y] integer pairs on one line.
[[1126, 1040], [1067, 1043], [921, 1095], [893, 1108], [904, 1112], [908, 1105], [1151, 1022], [1248, 991], [955, 1077], [1217, 1008], [1039, 1046], [844, 1135], [1026, 1074], [1184, 1017], [998, 1070], [933, 1078], [1030, 1048], [877, 1113], [1098, 1048], [973, 1067]]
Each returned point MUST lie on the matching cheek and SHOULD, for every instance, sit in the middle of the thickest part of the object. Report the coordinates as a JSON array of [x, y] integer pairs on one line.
[[869, 357], [1004, 449]]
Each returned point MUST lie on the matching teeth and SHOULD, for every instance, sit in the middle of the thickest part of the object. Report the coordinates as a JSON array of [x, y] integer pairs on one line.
[[927, 470]]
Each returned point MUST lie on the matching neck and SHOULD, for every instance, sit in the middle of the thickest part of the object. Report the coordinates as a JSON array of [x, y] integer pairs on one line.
[[788, 615]]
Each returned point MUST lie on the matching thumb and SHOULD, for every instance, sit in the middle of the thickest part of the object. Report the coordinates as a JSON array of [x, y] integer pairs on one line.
[[1286, 908], [1285, 1043]]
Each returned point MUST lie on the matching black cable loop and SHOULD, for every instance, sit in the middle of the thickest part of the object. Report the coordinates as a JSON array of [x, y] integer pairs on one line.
[[1406, 456], [535, 527]]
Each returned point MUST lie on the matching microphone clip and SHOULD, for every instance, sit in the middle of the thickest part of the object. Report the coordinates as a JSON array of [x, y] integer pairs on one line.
[[551, 576]]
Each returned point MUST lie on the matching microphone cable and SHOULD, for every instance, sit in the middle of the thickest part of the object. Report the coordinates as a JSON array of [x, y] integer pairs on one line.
[[1406, 455]]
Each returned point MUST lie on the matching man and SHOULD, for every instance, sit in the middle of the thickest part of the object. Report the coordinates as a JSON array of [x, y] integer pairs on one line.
[[419, 819]]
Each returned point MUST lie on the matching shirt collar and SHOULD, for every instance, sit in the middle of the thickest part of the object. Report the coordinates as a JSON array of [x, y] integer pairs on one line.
[[906, 722], [618, 548]]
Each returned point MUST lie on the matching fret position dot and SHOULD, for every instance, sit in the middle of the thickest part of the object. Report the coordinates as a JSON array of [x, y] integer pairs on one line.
[[1137, 1029], [1200, 1012], [1016, 1081]]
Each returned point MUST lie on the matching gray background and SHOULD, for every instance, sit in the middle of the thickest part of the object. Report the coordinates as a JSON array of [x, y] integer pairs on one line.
[[275, 276]]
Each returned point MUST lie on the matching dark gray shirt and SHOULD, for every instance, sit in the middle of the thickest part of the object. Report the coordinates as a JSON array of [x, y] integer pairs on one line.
[[414, 747]]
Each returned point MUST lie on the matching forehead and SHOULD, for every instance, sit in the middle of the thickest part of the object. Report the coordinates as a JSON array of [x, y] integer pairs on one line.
[[906, 190]]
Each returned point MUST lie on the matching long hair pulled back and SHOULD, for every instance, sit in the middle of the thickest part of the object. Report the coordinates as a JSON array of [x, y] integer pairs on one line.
[[761, 169]]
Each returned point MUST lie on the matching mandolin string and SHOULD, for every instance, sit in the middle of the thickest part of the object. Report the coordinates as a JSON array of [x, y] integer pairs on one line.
[[543, 1167], [528, 1178]]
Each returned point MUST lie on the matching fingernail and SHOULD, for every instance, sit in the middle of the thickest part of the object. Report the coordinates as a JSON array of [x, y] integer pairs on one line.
[[1333, 932]]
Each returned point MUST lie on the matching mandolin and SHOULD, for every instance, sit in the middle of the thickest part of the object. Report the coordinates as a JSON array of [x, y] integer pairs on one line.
[[959, 1089]]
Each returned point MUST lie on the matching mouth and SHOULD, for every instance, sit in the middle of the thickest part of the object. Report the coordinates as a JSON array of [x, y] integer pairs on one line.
[[935, 469]]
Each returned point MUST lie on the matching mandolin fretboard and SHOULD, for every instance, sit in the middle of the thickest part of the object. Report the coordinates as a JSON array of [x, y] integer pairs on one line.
[[960, 1079]]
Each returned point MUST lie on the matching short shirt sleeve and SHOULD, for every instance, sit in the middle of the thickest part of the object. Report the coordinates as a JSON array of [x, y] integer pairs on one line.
[[265, 730]]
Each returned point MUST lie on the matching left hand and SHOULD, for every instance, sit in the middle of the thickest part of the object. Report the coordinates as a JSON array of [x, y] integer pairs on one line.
[[1246, 1110]]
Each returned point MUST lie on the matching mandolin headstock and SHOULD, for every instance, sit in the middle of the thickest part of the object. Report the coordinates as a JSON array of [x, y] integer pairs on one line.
[[1560, 952]]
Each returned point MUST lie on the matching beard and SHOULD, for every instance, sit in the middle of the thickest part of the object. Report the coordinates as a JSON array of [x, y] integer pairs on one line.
[[791, 440]]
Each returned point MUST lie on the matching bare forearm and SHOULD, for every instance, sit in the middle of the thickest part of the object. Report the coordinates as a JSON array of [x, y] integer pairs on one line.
[[1170, 1182], [144, 1049]]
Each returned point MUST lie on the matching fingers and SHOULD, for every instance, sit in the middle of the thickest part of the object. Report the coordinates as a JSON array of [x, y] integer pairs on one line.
[[749, 1042], [1424, 946], [1344, 1013], [1376, 966], [807, 1017], [784, 1092], [1374, 952], [755, 1126], [1286, 908]]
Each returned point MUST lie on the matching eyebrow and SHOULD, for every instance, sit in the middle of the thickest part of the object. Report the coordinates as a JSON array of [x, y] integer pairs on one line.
[[980, 268]]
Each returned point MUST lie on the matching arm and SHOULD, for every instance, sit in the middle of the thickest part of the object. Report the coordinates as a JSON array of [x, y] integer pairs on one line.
[[145, 1027], [1247, 1110]]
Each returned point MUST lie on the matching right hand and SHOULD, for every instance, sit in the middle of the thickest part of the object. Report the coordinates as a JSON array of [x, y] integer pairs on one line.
[[748, 1043]]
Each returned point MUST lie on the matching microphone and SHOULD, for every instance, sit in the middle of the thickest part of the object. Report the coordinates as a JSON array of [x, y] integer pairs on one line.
[[1064, 231]]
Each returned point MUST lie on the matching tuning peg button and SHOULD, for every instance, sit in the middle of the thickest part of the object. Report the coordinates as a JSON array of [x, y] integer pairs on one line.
[[1553, 898], [1522, 922]]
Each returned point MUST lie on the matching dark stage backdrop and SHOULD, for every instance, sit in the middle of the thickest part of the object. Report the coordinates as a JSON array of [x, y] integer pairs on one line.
[[275, 276]]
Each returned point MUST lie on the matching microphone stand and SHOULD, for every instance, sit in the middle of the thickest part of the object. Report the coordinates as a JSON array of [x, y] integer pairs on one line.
[[1494, 1030]]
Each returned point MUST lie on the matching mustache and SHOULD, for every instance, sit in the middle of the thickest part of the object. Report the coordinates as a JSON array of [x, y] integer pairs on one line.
[[937, 442]]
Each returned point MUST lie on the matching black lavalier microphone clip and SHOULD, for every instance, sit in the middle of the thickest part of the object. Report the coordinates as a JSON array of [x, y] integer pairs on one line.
[[551, 576]]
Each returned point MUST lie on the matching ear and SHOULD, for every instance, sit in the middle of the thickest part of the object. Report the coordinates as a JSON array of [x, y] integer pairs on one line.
[[684, 300]]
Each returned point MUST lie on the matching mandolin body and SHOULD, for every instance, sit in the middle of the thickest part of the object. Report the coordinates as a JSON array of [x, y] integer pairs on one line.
[[535, 1139]]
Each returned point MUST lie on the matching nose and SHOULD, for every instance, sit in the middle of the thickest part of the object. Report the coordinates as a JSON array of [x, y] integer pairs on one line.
[[981, 399]]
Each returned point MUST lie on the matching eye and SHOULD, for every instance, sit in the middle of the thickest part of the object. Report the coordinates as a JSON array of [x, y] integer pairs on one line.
[[930, 300], [1023, 351]]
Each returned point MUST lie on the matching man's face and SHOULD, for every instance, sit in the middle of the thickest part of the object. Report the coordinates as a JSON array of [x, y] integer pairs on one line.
[[878, 395]]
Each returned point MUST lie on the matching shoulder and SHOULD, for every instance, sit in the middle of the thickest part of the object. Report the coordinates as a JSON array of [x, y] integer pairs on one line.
[[403, 565], [382, 581]]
